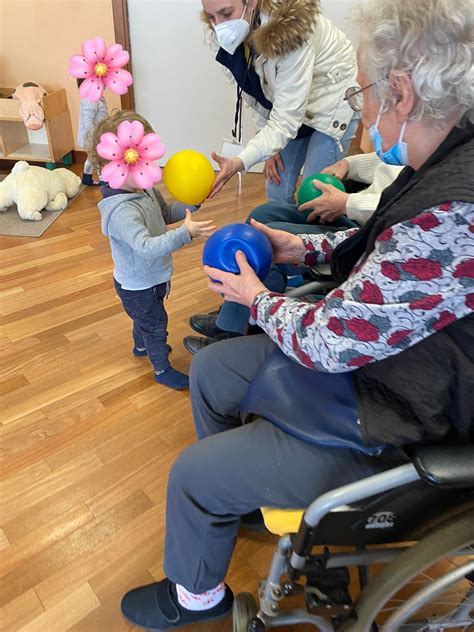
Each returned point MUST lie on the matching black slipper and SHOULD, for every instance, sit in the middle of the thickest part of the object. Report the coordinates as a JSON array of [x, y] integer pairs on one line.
[[156, 608]]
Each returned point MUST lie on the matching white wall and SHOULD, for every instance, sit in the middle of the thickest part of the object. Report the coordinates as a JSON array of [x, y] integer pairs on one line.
[[339, 11], [179, 87]]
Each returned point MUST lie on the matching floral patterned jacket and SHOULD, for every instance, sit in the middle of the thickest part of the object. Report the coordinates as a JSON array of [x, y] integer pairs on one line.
[[418, 279]]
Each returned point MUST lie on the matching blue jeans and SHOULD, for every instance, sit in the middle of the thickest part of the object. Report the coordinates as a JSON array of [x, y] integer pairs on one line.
[[150, 321], [287, 217], [315, 152]]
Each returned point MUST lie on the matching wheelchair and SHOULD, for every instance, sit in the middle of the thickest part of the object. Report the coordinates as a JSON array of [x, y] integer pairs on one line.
[[415, 519]]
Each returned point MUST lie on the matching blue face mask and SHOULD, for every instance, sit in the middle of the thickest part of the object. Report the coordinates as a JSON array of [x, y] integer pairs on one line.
[[397, 154]]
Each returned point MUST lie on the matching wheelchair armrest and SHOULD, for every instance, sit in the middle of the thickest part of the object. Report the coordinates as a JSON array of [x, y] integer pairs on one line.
[[446, 466], [313, 287], [322, 273]]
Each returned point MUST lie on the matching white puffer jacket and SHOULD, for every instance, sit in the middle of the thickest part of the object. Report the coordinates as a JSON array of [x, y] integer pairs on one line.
[[305, 64]]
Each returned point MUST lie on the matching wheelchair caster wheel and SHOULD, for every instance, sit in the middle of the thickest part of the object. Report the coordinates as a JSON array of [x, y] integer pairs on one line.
[[244, 612]]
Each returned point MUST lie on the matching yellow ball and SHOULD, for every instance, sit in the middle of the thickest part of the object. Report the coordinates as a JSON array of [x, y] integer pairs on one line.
[[189, 176]]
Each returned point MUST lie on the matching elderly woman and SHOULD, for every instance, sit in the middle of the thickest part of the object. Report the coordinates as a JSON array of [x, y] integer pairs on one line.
[[390, 352], [292, 67]]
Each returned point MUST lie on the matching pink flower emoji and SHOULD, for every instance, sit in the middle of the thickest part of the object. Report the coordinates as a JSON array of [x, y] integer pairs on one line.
[[131, 153], [101, 67]]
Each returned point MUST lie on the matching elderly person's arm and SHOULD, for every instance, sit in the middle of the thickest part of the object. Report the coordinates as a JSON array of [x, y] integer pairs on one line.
[[359, 207], [412, 285], [362, 167], [320, 246], [368, 168]]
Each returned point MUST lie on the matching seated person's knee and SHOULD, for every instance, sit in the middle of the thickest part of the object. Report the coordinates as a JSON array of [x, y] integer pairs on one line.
[[204, 366], [185, 468], [255, 213]]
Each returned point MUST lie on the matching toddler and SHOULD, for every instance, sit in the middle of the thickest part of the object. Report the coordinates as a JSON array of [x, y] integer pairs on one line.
[[134, 220]]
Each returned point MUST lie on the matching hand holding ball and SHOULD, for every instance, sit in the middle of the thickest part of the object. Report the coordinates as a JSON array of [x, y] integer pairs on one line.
[[308, 192], [219, 250], [189, 176]]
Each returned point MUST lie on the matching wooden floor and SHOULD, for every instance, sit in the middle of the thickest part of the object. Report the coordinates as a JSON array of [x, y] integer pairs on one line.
[[87, 436]]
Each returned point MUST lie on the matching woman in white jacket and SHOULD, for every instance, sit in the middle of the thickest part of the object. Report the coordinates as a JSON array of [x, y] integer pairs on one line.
[[292, 66]]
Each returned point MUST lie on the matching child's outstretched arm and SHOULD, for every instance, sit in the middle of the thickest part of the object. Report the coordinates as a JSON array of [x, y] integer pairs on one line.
[[178, 211], [198, 229], [131, 230], [174, 211]]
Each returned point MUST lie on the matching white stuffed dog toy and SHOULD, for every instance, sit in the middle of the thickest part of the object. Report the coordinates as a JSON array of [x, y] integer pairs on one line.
[[33, 189]]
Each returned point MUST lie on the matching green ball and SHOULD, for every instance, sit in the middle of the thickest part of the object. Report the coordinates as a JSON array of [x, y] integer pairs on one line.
[[308, 191]]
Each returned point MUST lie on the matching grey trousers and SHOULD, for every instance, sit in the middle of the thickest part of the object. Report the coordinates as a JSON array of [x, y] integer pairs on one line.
[[234, 469]]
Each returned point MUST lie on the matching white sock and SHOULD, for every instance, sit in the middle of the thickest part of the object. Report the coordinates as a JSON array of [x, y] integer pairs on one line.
[[204, 601]]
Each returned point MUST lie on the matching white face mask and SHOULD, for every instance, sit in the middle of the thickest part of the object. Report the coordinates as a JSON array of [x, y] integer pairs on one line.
[[232, 34]]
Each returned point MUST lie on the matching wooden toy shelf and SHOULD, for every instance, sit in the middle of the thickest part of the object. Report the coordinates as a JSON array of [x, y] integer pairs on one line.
[[14, 141]]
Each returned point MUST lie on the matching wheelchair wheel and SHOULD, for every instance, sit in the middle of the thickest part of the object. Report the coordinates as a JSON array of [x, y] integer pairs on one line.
[[244, 610], [428, 587]]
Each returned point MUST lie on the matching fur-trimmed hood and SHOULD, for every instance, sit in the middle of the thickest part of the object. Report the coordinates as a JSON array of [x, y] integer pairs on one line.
[[289, 24]]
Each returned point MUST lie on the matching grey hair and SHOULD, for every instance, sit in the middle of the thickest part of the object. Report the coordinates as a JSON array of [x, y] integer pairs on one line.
[[430, 40]]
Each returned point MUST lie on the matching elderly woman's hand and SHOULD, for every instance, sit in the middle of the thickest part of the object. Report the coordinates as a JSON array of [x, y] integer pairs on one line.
[[329, 206], [228, 168], [239, 288], [287, 248], [339, 169]]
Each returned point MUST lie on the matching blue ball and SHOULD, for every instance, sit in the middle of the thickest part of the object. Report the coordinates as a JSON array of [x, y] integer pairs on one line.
[[219, 250]]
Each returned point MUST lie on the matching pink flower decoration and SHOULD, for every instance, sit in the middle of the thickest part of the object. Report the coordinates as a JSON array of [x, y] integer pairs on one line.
[[101, 67], [131, 153]]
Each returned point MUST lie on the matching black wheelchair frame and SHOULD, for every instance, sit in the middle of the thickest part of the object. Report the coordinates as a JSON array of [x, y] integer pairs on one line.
[[410, 503]]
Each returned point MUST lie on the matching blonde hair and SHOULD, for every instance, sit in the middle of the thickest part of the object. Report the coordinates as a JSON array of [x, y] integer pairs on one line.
[[110, 124]]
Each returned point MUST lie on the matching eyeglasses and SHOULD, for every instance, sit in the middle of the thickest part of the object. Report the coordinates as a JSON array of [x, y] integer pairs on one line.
[[355, 98]]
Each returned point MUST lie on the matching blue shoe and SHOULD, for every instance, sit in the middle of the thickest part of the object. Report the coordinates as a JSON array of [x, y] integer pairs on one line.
[[173, 379], [139, 353], [87, 179], [156, 608]]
